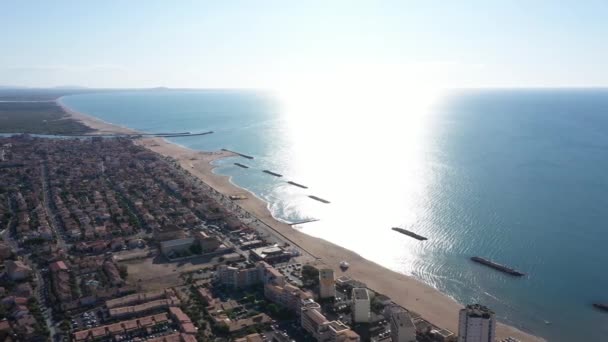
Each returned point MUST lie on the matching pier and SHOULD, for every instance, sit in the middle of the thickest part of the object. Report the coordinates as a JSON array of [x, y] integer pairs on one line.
[[298, 185], [272, 173], [180, 135], [303, 221], [239, 154], [241, 165], [319, 199]]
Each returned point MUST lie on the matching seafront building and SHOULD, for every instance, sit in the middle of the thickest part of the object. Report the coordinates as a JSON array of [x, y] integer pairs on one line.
[[476, 324], [323, 330], [361, 305], [402, 325], [327, 284]]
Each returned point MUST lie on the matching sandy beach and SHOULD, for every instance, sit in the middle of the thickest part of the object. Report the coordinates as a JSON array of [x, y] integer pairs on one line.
[[431, 304]]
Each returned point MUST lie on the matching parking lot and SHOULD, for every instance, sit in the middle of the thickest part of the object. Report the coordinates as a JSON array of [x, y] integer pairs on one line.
[[292, 272], [87, 320]]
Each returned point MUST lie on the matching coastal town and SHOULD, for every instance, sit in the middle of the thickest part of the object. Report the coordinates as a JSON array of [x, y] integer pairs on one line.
[[106, 240]]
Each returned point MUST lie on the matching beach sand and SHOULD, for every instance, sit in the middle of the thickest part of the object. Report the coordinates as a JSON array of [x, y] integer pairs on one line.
[[406, 291]]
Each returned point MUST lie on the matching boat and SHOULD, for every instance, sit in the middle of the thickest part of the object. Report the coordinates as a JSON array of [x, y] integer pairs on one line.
[[601, 306], [344, 265], [408, 233], [497, 266]]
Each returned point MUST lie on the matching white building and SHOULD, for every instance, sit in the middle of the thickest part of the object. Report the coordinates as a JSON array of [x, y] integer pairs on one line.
[[315, 323], [476, 324], [327, 286], [361, 305], [170, 247], [402, 326]]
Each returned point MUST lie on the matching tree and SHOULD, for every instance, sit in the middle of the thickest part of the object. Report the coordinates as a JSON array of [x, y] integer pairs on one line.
[[196, 249], [273, 309], [65, 325], [310, 275]]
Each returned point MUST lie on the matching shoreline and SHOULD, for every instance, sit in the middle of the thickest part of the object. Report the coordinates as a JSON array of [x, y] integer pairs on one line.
[[432, 305]]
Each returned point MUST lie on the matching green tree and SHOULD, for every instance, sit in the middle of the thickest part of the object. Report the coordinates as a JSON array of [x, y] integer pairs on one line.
[[196, 249], [310, 275]]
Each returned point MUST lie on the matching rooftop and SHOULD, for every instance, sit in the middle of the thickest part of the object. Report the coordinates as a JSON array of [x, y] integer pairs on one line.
[[360, 294], [478, 310]]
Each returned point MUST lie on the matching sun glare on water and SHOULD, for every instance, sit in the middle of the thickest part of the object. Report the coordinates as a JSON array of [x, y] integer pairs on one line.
[[361, 143]]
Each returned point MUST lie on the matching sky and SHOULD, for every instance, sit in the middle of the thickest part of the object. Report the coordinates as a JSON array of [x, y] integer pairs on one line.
[[277, 44]]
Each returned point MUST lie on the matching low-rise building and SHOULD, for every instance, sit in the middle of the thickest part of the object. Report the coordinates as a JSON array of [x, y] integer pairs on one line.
[[5, 250], [137, 298], [270, 254], [143, 308], [208, 243], [250, 338], [107, 332], [17, 270], [170, 248]]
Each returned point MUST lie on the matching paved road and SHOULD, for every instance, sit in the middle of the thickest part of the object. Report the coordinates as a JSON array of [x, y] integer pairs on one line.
[[46, 198], [46, 311]]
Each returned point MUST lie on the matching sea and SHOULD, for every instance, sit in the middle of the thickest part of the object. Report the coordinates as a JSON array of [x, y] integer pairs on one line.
[[519, 176]]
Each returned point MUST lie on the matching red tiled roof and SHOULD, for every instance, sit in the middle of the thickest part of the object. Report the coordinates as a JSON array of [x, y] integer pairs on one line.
[[188, 328], [58, 266]]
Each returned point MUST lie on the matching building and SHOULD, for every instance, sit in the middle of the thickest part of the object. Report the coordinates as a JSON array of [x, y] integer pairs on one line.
[[238, 277], [107, 332], [327, 286], [139, 309], [171, 248], [270, 254], [361, 305], [17, 270], [316, 324], [402, 326], [5, 250], [269, 274], [313, 321], [287, 296], [169, 232], [138, 298], [476, 324], [250, 338], [208, 243]]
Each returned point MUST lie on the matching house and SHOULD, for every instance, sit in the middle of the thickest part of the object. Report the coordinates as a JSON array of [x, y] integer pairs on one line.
[[58, 266], [24, 290], [5, 250], [19, 311], [5, 327], [113, 274], [17, 270]]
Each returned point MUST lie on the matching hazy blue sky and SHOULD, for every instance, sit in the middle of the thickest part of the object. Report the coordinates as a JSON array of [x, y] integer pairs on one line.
[[277, 43]]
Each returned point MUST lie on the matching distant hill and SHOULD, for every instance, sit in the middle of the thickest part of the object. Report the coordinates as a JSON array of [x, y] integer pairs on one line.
[[64, 87]]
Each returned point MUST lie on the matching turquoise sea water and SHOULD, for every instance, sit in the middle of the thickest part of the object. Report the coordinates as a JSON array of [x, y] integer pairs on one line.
[[518, 176]]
